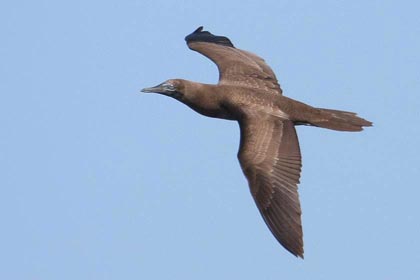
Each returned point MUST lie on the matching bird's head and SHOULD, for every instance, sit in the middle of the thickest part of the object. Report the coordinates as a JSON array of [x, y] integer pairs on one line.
[[173, 88]]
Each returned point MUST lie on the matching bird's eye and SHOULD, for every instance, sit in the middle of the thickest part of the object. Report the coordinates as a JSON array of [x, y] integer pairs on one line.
[[169, 87]]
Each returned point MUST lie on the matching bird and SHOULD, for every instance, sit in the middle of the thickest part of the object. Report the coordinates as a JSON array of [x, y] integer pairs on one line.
[[269, 154]]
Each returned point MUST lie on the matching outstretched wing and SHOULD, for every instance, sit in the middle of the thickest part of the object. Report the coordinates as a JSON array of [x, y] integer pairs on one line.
[[236, 67], [270, 158]]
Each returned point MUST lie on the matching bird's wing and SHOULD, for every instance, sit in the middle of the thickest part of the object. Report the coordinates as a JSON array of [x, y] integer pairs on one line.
[[236, 67], [270, 158]]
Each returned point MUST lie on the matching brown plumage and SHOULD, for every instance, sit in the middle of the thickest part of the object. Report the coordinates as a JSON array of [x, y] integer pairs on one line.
[[269, 153]]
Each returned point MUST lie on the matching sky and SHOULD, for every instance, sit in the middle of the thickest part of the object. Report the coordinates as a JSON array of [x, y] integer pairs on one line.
[[100, 181]]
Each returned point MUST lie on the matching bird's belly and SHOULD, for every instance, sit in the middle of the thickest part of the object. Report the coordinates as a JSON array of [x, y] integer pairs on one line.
[[219, 112]]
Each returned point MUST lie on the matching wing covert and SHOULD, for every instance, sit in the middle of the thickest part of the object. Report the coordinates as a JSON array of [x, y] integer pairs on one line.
[[236, 67]]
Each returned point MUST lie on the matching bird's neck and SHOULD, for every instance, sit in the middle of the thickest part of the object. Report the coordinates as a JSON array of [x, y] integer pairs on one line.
[[204, 99]]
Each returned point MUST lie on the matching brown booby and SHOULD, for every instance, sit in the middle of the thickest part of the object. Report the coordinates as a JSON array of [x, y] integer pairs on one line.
[[269, 153]]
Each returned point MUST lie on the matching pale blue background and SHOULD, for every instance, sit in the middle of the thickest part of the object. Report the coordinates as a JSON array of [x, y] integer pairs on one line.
[[101, 182]]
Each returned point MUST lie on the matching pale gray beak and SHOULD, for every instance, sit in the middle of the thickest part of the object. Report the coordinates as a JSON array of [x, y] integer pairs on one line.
[[157, 89]]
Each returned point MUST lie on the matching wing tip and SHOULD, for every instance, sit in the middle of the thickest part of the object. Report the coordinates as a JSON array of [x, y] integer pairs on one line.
[[295, 251], [299, 254], [205, 36]]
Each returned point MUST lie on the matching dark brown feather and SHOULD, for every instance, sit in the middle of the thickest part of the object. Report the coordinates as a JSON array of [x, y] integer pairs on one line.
[[238, 67], [270, 158]]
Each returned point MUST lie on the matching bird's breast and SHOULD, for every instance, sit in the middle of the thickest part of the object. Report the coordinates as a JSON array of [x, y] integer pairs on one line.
[[211, 107]]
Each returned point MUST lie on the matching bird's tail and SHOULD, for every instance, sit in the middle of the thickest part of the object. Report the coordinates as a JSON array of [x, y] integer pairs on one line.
[[340, 120]]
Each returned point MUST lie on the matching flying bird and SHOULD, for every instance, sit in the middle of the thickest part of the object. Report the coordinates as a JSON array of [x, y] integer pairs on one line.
[[269, 153]]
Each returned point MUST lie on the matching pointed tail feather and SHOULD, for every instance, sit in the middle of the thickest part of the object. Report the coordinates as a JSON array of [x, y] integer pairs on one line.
[[340, 120]]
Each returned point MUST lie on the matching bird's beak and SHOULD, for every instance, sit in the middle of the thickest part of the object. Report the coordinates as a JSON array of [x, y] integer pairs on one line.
[[157, 89]]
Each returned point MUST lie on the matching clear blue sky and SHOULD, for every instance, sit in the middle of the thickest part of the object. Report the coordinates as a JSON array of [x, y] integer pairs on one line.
[[99, 181]]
